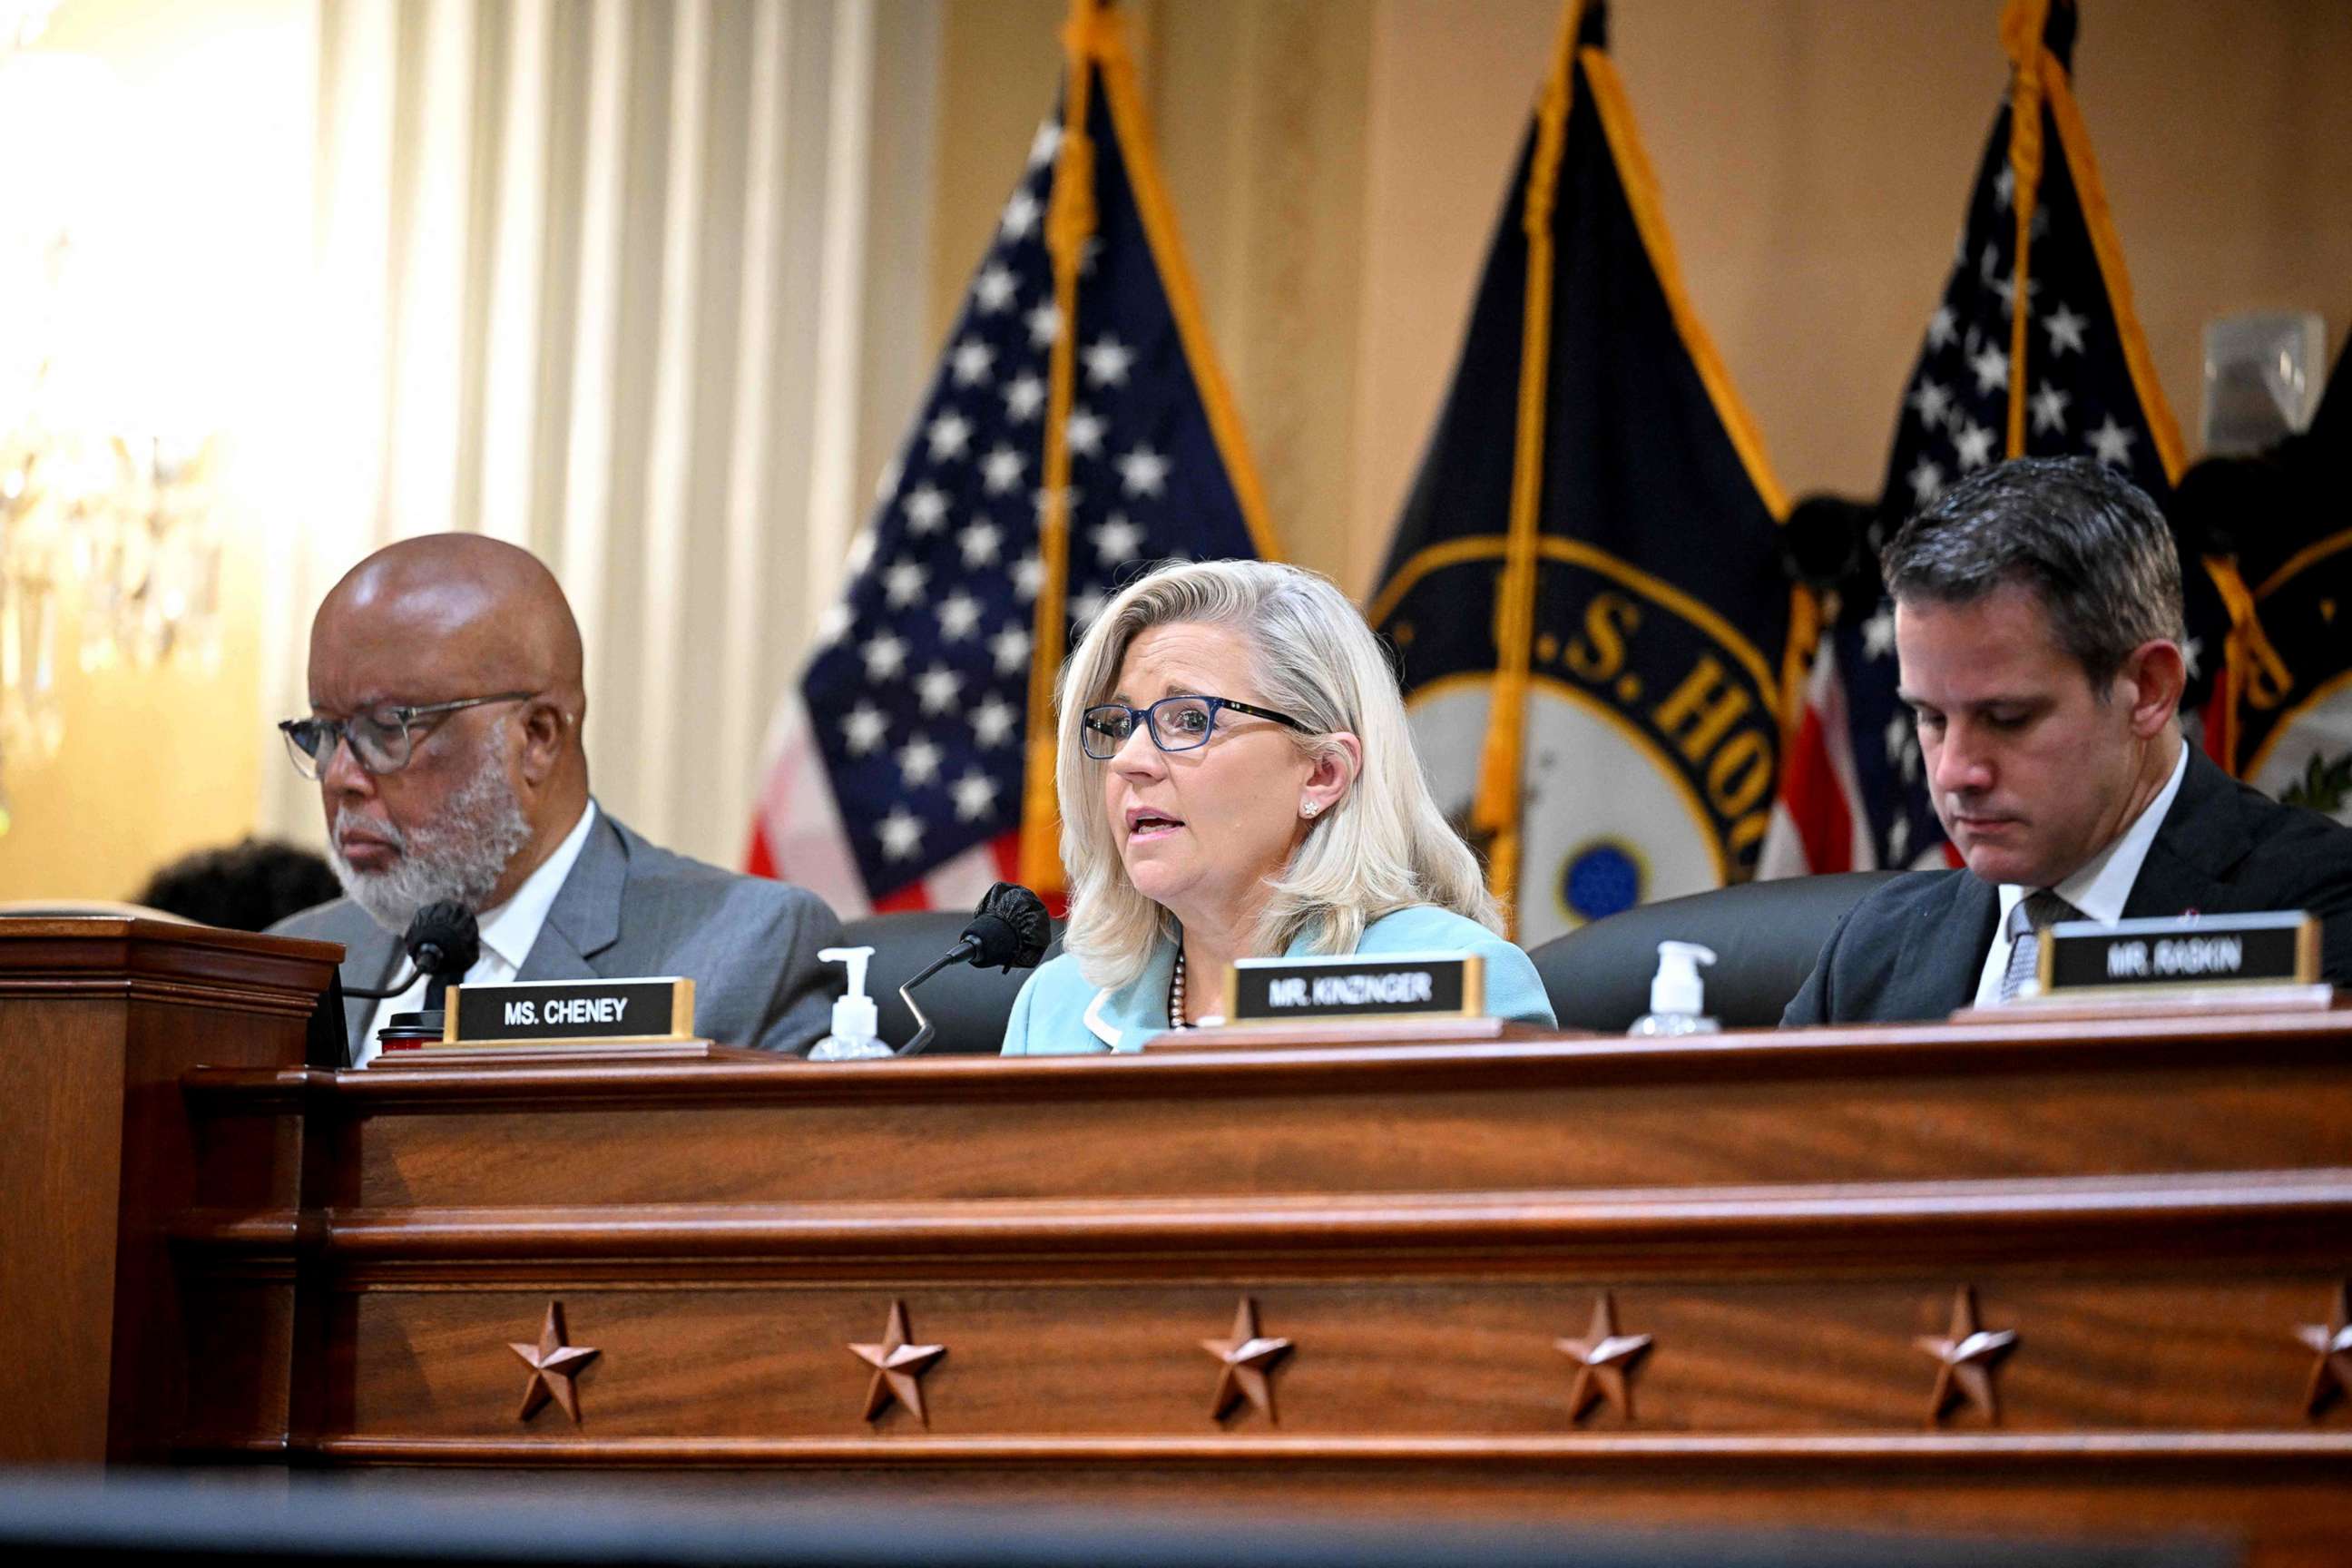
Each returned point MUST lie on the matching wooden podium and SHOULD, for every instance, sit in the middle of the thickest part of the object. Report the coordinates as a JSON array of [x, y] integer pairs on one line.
[[2065, 1277]]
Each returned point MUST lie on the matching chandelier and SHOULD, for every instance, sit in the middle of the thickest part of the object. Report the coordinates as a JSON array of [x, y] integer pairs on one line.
[[109, 532]]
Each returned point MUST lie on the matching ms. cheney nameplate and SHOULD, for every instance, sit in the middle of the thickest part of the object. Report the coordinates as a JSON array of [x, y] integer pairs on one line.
[[2198, 950], [534, 1011], [1353, 985]]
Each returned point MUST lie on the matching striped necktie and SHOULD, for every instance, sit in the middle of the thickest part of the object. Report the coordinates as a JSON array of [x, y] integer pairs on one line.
[[2035, 913]]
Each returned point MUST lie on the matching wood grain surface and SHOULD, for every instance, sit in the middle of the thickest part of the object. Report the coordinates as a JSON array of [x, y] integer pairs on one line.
[[2156, 1209]]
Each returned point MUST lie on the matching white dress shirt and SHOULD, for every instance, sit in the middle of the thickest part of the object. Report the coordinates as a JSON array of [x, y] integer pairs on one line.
[[508, 933], [2100, 890]]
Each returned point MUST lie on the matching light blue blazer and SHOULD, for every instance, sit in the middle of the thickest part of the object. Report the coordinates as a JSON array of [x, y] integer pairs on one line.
[[1058, 1014]]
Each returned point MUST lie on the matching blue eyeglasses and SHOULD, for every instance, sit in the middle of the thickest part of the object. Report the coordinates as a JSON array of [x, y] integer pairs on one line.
[[1176, 723]]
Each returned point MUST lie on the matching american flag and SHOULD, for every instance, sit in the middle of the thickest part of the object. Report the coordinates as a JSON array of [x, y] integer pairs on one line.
[[895, 778], [1853, 797]]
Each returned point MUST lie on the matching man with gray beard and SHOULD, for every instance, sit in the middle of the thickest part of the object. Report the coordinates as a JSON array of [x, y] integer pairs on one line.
[[443, 733]]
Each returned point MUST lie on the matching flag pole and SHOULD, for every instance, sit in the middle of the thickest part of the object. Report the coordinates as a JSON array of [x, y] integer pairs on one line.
[[1069, 223], [1495, 809], [2022, 23]]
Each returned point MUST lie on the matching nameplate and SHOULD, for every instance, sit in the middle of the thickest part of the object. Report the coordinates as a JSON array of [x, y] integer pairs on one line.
[[538, 1010], [1351, 985], [2198, 950]]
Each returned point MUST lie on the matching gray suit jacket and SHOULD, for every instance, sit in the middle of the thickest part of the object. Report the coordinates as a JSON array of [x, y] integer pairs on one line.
[[631, 908], [1915, 946]]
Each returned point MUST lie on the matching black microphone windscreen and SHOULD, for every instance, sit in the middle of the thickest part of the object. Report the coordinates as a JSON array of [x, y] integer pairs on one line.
[[443, 940], [1012, 928]]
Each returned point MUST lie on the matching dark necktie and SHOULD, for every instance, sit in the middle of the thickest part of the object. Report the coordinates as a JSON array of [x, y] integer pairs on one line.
[[2035, 913]]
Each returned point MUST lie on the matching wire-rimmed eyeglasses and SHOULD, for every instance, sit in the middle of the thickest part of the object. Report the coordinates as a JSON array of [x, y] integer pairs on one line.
[[382, 741], [1176, 723]]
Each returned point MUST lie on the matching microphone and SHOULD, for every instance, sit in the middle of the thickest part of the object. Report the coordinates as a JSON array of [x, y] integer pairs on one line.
[[443, 942], [1011, 928]]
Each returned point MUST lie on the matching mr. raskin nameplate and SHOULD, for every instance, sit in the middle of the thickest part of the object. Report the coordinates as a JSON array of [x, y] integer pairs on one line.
[[1357, 985], [2199, 951], [535, 1010]]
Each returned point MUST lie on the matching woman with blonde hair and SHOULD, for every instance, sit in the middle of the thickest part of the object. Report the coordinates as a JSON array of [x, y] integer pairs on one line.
[[1236, 780]]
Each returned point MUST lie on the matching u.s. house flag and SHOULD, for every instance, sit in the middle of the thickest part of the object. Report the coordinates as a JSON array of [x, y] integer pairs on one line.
[[1585, 589], [1076, 431]]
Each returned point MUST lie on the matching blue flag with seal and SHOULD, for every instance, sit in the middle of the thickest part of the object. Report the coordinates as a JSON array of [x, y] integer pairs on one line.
[[2292, 713], [1585, 591]]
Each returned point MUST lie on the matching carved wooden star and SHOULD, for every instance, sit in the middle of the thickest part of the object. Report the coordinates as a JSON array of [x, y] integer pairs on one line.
[[2331, 1374], [554, 1364], [1605, 1360], [1249, 1357], [1965, 1360], [899, 1368]]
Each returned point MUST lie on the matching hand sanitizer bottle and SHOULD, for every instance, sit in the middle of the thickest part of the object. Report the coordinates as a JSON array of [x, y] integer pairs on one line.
[[1676, 998], [855, 1020]]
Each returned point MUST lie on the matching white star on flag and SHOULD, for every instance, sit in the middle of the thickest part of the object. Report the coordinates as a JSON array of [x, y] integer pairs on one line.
[[885, 656], [1010, 647], [1044, 325], [902, 585], [1024, 397], [1143, 472], [2112, 443], [1898, 736], [971, 361], [1085, 606], [918, 760], [1000, 470], [1084, 432], [975, 796], [993, 290], [2065, 329], [948, 434], [901, 833], [1117, 540], [1107, 359], [1943, 327], [1974, 443], [978, 543], [2050, 408], [939, 688], [1020, 216], [1046, 143], [1927, 481], [863, 729], [959, 618], [1931, 401], [2004, 188], [1028, 576], [1878, 633], [926, 507], [991, 723], [1991, 365]]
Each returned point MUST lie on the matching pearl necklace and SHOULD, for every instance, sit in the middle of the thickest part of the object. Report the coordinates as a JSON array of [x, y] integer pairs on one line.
[[1176, 1019]]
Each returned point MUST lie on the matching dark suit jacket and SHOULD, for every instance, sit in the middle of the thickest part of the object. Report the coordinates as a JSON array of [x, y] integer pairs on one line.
[[630, 909], [1913, 948]]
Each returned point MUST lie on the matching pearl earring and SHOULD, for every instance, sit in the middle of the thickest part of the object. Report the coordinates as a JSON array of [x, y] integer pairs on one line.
[[1310, 809]]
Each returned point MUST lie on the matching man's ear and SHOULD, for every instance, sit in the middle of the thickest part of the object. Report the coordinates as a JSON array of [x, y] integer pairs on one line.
[[546, 728], [2151, 683]]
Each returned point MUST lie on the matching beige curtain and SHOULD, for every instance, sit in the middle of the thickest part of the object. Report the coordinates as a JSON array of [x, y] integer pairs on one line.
[[635, 284]]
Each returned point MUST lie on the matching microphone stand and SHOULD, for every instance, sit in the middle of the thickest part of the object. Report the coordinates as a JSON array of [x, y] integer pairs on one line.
[[924, 1030]]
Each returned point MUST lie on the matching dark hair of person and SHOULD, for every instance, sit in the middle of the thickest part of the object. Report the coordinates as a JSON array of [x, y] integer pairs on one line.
[[2085, 539], [249, 886]]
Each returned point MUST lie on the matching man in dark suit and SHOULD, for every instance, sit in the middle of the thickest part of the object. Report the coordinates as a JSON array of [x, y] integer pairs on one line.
[[445, 708], [2038, 630]]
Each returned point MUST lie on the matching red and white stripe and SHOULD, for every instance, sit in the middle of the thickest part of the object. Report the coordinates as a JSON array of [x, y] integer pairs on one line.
[[1818, 824]]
